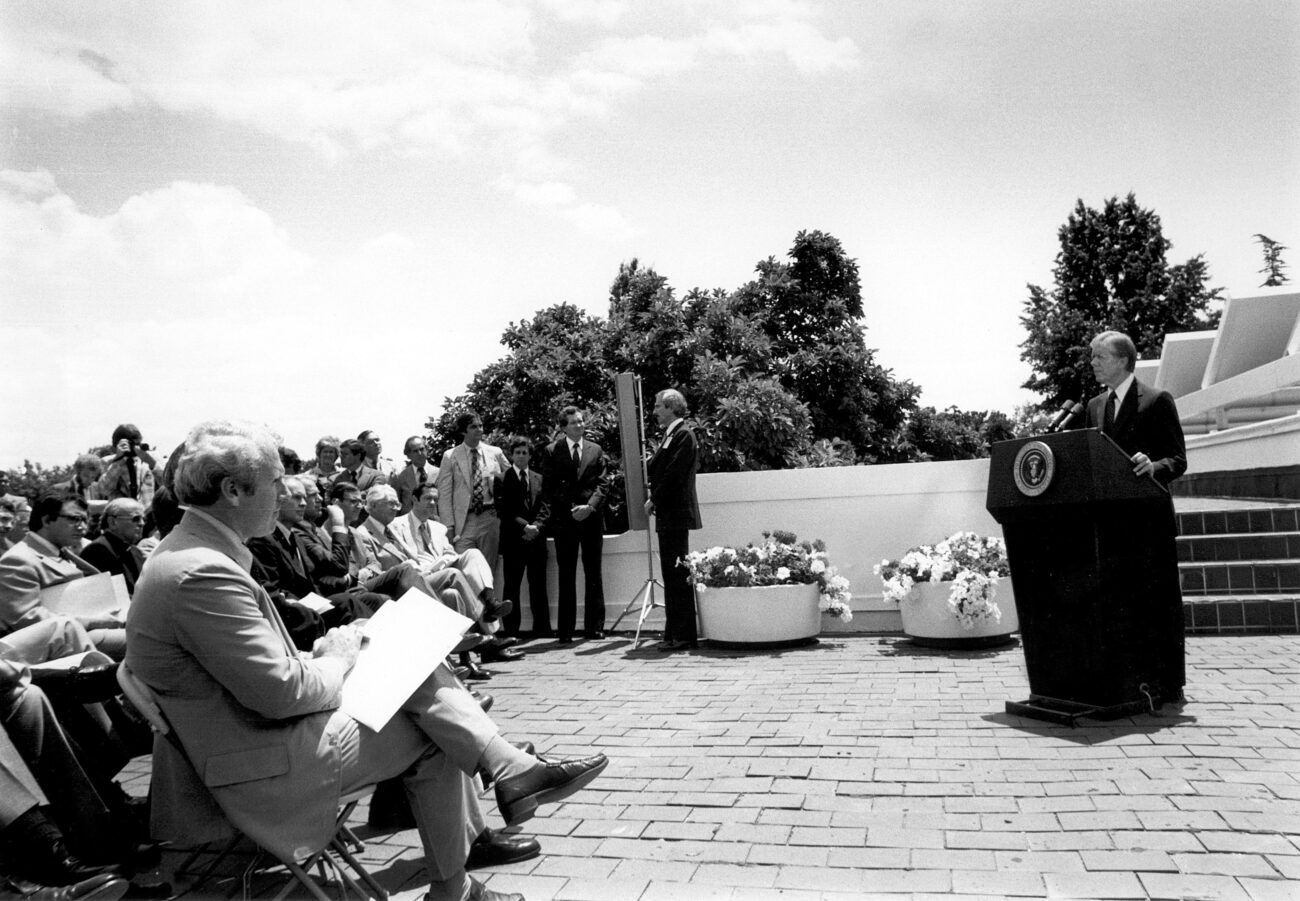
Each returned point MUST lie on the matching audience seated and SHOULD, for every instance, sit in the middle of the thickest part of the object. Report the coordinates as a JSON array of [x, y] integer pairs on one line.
[[44, 558], [261, 721], [115, 551]]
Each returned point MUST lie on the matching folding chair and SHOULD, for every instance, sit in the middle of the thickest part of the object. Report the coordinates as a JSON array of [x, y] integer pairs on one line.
[[142, 696]]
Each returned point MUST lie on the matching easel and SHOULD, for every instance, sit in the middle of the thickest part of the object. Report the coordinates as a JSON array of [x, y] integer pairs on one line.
[[646, 595]]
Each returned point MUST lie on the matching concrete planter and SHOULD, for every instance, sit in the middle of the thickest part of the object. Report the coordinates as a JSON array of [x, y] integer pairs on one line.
[[928, 620], [767, 616]]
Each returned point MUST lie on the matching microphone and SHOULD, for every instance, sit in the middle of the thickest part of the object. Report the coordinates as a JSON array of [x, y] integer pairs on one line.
[[1069, 417], [1066, 409]]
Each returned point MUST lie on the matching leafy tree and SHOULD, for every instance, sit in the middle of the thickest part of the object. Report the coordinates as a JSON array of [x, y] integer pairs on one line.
[[770, 368], [954, 434], [1111, 273], [1273, 264], [33, 479]]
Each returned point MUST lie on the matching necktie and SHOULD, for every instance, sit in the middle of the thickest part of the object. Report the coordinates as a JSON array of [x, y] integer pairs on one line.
[[135, 478], [1108, 420], [390, 538], [476, 493], [577, 457], [421, 476], [67, 554], [424, 537]]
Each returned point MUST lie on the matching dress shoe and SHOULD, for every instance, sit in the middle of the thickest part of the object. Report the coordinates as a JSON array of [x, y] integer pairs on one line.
[[104, 887], [564, 639], [34, 846], [84, 684], [670, 646], [476, 673], [484, 700], [505, 641], [518, 797], [494, 609], [471, 642], [596, 635], [495, 653], [492, 849], [480, 892]]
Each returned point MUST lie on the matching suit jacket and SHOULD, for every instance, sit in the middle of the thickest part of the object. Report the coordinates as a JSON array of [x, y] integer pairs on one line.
[[327, 561], [367, 478], [250, 712], [407, 481], [565, 487], [25, 569], [1146, 421], [672, 481], [110, 554], [520, 504], [455, 482], [284, 565]]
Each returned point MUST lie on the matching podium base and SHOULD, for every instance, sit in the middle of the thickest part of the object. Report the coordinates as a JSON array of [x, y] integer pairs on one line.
[[1068, 713]]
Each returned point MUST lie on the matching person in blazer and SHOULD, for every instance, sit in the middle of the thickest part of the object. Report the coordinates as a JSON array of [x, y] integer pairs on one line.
[[573, 482], [265, 742], [415, 475], [352, 457], [465, 479], [676, 510], [1144, 421], [522, 510], [115, 550]]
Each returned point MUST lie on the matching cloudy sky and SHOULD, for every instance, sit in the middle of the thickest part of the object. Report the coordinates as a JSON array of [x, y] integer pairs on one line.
[[322, 215]]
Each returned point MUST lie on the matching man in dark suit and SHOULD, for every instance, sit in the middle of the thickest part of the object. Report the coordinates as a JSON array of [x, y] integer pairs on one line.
[[1140, 419], [115, 550], [352, 457], [1144, 423], [522, 510], [676, 510], [573, 482]]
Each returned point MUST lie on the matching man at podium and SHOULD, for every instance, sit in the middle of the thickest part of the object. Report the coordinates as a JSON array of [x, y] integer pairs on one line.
[[1140, 419]]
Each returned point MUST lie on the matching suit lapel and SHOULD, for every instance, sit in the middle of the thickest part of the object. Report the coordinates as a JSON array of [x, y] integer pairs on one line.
[[1128, 408]]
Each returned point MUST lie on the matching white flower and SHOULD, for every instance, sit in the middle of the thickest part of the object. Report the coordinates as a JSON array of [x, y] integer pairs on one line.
[[820, 567], [782, 573]]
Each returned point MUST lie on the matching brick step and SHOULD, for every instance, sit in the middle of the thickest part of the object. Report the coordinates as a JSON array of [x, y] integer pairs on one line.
[[1239, 577], [1241, 546], [1237, 522], [1274, 614]]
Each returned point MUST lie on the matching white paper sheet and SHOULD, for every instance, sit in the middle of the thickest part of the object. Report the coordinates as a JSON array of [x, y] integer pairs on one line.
[[316, 602], [98, 595], [405, 640]]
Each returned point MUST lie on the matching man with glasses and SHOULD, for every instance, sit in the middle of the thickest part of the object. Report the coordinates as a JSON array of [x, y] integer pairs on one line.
[[115, 550], [48, 555]]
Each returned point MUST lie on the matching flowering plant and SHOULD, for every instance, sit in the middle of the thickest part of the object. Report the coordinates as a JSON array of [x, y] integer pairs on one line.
[[782, 559], [970, 562]]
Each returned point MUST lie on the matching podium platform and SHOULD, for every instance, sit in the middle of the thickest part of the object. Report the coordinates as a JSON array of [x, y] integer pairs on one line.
[[1095, 572]]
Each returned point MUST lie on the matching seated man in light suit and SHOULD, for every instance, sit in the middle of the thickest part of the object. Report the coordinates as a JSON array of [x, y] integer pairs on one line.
[[260, 721], [44, 558]]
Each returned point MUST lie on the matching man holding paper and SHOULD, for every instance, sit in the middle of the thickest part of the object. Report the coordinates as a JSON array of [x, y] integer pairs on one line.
[[261, 722], [45, 558]]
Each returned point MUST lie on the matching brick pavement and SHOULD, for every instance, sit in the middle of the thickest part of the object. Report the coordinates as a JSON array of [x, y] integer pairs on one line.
[[864, 767]]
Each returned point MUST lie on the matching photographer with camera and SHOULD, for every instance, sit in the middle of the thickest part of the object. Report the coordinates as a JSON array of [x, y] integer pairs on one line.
[[128, 471]]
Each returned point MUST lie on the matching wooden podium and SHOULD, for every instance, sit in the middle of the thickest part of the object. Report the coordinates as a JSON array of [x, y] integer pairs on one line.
[[1095, 572]]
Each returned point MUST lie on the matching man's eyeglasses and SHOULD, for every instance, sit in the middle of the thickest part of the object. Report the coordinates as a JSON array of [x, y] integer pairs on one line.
[[75, 520], [137, 518]]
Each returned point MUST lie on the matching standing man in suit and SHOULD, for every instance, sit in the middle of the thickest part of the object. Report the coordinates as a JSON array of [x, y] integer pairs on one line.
[[1140, 419], [522, 510], [465, 481], [415, 475], [676, 511], [1144, 423], [573, 479], [260, 722], [352, 457]]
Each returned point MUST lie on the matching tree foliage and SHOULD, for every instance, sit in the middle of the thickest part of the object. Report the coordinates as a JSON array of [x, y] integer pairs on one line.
[[770, 369], [1111, 273], [1274, 270]]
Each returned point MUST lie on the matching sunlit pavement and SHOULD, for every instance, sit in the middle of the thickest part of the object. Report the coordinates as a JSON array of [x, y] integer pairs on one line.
[[863, 766]]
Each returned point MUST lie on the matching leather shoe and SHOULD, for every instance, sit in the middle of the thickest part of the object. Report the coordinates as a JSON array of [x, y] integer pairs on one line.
[[492, 849], [518, 797], [484, 700], [105, 887], [476, 673], [505, 641], [480, 892], [84, 685], [596, 635], [494, 609], [495, 653], [564, 639], [470, 642], [526, 746]]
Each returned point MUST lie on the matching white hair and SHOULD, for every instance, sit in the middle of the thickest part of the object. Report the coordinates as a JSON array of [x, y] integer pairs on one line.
[[217, 450], [379, 493]]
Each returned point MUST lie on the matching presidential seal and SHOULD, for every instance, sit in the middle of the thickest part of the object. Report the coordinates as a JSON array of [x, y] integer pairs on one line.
[[1033, 468]]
